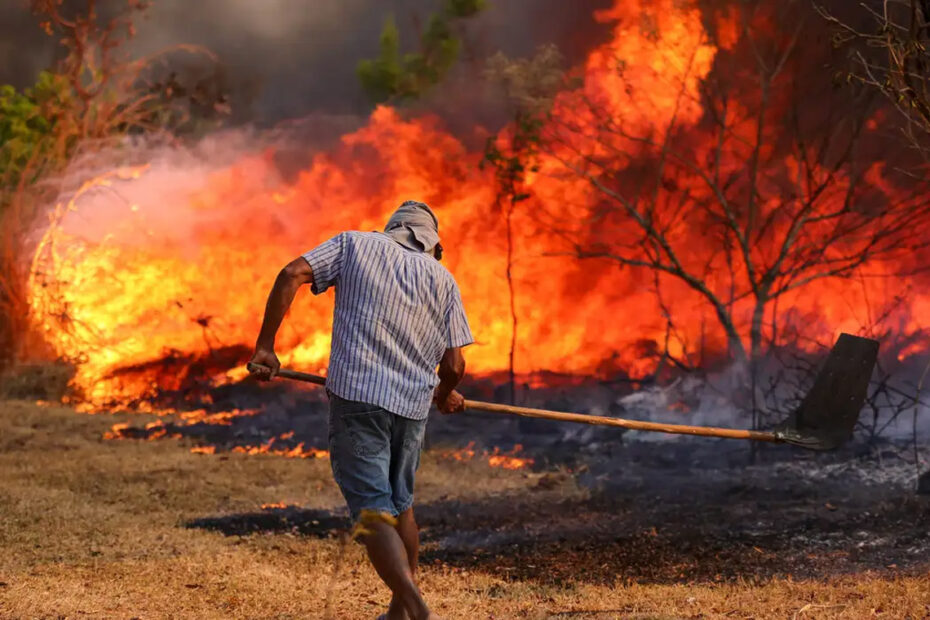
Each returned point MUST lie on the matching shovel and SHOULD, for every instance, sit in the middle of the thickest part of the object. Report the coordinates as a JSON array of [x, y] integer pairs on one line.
[[824, 420]]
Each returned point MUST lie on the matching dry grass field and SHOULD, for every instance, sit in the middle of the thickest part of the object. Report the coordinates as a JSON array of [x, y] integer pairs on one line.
[[135, 529]]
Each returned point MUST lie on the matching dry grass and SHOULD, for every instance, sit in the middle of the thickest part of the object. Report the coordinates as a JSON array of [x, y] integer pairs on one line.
[[46, 381], [97, 529]]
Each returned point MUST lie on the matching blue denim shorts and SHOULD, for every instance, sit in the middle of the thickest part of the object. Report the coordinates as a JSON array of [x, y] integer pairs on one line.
[[374, 455]]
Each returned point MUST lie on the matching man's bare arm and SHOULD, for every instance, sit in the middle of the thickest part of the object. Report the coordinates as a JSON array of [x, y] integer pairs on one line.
[[292, 277], [451, 371]]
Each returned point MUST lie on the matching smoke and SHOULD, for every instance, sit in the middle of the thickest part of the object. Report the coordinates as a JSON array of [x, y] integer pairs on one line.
[[24, 49], [289, 58]]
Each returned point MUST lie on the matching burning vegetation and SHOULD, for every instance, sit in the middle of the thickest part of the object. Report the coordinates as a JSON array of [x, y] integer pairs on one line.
[[672, 203], [681, 203], [673, 227]]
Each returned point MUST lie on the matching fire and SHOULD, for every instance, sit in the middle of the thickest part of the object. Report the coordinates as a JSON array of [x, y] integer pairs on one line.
[[153, 278], [117, 431], [158, 429], [495, 458], [298, 451], [178, 264], [509, 460]]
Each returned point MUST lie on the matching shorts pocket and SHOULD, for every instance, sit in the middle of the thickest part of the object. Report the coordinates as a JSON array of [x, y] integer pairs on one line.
[[413, 436], [369, 432]]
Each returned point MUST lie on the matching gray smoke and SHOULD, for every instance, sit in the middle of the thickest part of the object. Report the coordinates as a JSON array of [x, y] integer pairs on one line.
[[288, 58]]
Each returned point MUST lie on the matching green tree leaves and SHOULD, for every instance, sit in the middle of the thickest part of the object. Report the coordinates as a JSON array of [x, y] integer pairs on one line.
[[27, 124], [393, 76]]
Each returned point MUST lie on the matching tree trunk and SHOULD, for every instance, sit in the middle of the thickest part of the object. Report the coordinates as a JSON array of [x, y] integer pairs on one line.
[[513, 305], [755, 329], [755, 352], [734, 342], [923, 484]]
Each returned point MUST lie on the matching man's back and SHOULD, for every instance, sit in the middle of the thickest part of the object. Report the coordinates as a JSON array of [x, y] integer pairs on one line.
[[397, 311], [398, 316]]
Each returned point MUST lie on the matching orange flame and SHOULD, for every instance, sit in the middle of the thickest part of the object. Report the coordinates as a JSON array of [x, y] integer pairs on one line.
[[495, 458], [297, 451], [172, 261], [136, 290], [158, 429]]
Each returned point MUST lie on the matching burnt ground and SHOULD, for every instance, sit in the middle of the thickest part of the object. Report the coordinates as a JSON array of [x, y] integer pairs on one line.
[[740, 523], [653, 508], [664, 522]]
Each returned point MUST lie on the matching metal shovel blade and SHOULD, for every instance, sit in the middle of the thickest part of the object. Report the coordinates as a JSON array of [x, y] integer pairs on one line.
[[827, 415]]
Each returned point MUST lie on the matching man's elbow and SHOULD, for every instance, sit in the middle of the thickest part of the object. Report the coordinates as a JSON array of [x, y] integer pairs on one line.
[[297, 271], [452, 368], [459, 367]]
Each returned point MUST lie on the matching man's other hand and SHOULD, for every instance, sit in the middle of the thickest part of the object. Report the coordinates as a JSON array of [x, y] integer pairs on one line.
[[266, 365], [452, 403]]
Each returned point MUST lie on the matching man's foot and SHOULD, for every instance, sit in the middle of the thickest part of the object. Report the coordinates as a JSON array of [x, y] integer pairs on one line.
[[395, 612], [403, 616]]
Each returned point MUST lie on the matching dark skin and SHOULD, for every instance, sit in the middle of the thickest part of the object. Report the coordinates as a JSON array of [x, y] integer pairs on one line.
[[393, 550]]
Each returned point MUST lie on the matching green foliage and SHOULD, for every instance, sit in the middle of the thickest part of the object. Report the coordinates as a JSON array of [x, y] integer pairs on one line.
[[381, 76], [27, 125], [440, 50], [464, 8], [393, 76]]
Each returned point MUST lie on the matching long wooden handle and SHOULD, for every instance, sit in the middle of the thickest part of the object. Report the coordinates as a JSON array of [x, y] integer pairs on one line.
[[635, 425], [302, 376]]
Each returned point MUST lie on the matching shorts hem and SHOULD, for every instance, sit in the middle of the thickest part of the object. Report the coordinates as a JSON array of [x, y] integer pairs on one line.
[[354, 515], [403, 507]]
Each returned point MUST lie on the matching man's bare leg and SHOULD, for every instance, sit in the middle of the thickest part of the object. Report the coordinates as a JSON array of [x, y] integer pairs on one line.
[[389, 557], [410, 535]]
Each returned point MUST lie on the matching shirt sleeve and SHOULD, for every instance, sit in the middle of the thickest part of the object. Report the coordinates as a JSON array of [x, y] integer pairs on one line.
[[458, 334], [326, 262]]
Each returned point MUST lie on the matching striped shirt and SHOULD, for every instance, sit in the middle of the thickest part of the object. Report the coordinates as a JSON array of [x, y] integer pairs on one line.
[[396, 313]]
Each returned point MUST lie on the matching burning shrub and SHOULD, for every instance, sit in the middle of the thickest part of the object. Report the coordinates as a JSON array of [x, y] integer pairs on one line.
[[677, 201]]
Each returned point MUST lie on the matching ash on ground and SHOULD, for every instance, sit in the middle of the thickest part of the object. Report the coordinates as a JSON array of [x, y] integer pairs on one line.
[[650, 507]]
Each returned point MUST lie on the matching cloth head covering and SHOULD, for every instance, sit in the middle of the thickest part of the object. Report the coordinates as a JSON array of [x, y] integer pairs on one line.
[[414, 226]]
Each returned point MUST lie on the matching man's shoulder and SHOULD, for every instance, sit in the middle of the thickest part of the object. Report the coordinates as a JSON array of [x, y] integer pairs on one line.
[[379, 239], [444, 275], [367, 240], [359, 235]]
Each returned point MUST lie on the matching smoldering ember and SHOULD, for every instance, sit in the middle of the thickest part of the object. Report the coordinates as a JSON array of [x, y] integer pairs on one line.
[[628, 319]]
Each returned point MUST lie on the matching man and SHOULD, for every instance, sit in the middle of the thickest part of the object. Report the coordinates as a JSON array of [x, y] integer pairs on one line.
[[398, 316]]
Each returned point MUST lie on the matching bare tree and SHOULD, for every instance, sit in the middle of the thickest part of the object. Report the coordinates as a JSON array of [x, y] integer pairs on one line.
[[888, 43], [765, 194]]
